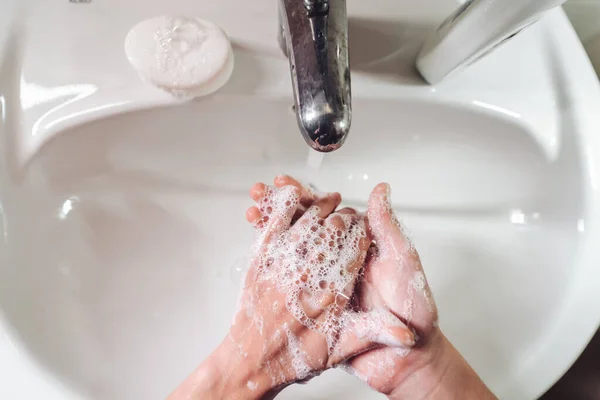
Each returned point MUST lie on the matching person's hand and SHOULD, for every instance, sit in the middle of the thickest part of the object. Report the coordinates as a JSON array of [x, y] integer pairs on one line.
[[394, 280], [322, 251], [294, 321]]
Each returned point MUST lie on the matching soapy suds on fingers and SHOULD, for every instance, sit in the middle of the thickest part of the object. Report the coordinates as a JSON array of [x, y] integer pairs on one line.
[[314, 264], [296, 299]]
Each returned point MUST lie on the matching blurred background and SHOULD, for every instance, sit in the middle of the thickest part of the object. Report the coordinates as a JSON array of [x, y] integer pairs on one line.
[[582, 382], [585, 16]]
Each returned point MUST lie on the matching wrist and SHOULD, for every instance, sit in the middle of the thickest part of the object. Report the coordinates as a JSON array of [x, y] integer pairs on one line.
[[225, 374], [446, 375]]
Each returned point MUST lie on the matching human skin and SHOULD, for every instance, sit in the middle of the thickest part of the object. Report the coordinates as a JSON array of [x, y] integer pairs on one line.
[[394, 279], [284, 330], [415, 363]]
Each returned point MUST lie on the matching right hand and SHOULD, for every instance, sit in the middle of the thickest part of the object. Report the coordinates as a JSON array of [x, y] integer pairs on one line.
[[307, 260], [394, 280], [294, 319]]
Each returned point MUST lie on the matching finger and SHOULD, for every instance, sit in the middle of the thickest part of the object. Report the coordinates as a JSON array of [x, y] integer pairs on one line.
[[338, 223], [315, 303], [347, 211], [258, 191], [354, 237], [366, 331], [346, 233], [345, 295], [384, 224], [365, 296], [307, 196], [367, 367], [322, 207], [281, 215], [255, 217], [299, 213], [363, 247]]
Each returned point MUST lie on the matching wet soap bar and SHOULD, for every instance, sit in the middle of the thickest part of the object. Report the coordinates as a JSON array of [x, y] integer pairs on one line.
[[187, 57]]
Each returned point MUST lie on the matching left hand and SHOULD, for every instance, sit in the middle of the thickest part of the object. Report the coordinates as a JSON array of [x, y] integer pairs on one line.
[[294, 319], [394, 280], [393, 284]]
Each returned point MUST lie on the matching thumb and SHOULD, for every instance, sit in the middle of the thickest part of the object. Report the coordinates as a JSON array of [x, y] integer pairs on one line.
[[383, 223], [368, 330]]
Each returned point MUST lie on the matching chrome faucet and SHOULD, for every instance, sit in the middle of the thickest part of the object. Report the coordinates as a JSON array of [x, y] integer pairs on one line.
[[314, 36], [475, 29]]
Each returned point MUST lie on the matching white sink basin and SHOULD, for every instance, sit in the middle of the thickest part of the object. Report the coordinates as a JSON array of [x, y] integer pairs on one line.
[[123, 210]]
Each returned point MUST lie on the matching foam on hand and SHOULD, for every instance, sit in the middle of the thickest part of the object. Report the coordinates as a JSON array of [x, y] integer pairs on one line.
[[187, 57], [306, 273], [310, 263]]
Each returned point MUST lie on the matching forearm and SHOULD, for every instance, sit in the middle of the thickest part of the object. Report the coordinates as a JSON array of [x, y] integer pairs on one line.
[[225, 374], [448, 376]]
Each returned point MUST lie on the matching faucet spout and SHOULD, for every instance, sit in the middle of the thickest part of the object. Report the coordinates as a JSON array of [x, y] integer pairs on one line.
[[314, 35]]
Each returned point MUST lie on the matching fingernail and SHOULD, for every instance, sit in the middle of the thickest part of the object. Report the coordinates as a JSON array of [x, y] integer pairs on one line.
[[397, 337], [388, 190], [292, 189], [279, 180]]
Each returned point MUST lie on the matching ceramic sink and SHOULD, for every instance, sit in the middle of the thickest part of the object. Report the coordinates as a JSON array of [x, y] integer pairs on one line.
[[122, 208]]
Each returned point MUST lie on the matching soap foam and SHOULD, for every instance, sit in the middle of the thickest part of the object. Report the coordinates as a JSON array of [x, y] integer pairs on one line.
[[297, 355], [309, 262], [381, 364], [372, 326]]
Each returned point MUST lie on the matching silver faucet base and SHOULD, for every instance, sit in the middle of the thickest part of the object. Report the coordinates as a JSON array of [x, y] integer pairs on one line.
[[314, 36]]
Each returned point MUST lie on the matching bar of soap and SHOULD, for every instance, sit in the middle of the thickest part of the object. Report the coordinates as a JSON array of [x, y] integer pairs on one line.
[[187, 57]]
